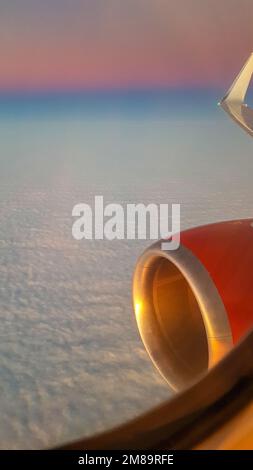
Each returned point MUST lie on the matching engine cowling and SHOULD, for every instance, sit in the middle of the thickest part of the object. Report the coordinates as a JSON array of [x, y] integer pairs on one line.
[[193, 304]]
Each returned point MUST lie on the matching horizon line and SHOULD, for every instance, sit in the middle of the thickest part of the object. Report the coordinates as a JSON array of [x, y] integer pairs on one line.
[[61, 91]]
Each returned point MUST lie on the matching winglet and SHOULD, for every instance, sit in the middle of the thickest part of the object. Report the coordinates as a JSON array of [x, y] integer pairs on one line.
[[233, 102], [238, 89]]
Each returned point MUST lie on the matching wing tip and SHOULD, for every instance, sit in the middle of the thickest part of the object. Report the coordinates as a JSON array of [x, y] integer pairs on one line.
[[240, 85]]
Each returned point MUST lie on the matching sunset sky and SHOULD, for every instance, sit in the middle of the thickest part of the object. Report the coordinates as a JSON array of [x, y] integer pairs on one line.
[[80, 44]]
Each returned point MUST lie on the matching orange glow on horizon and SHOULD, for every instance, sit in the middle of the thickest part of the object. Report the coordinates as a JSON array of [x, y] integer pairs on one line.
[[155, 43]]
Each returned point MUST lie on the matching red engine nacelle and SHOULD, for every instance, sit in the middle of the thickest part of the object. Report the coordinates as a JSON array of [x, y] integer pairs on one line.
[[193, 304]]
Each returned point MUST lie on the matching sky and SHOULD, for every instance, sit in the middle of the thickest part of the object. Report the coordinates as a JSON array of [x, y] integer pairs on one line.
[[97, 44], [59, 338]]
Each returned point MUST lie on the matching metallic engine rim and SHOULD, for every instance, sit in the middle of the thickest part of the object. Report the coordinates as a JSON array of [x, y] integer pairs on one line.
[[213, 312]]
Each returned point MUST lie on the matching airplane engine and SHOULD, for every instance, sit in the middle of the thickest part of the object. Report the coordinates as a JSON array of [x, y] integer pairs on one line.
[[193, 304]]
